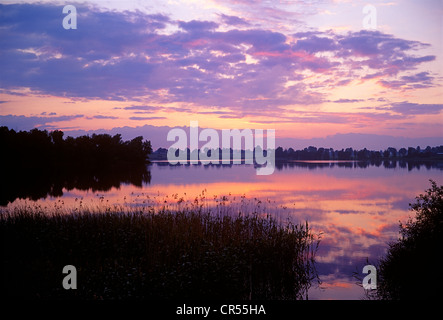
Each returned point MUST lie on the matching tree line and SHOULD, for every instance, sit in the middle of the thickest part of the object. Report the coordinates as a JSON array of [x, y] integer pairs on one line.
[[313, 153], [39, 148], [36, 164]]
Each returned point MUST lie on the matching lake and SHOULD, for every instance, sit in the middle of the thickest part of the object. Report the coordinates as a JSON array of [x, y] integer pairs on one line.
[[356, 207]]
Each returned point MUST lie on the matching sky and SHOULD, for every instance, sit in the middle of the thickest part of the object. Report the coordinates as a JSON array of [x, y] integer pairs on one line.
[[308, 69]]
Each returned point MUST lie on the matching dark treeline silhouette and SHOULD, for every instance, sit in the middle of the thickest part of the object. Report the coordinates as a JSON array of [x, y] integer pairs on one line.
[[329, 154], [38, 149], [38, 163], [312, 165], [313, 153], [162, 153]]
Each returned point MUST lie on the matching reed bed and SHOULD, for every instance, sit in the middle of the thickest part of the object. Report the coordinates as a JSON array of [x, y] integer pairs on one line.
[[147, 252]]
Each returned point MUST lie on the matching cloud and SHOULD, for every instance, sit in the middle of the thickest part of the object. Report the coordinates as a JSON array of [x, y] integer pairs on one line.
[[147, 118], [314, 44], [373, 43], [348, 100], [27, 123], [416, 81], [361, 119], [143, 108], [343, 211], [408, 108], [197, 26], [102, 117], [127, 56], [233, 20], [384, 53]]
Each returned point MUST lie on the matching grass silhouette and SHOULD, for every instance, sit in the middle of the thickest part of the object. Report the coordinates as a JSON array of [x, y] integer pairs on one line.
[[190, 252]]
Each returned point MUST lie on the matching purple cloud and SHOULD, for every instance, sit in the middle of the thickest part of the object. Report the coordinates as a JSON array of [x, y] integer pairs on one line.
[[314, 44], [371, 43], [146, 118], [143, 108], [233, 20], [99, 116], [122, 56], [417, 81], [197, 26], [27, 123], [408, 108], [348, 100]]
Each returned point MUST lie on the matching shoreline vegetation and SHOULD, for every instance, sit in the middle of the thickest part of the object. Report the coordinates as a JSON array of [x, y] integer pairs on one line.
[[37, 164], [43, 150], [156, 254], [329, 154], [40, 148], [407, 271]]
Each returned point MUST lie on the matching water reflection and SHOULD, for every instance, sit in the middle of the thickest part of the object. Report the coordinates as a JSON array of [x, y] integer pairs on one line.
[[35, 185], [357, 206], [388, 164]]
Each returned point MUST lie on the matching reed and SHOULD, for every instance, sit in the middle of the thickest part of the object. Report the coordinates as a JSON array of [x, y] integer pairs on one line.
[[155, 253]]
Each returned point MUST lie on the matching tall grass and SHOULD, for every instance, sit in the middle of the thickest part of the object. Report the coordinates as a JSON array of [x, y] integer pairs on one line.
[[155, 254]]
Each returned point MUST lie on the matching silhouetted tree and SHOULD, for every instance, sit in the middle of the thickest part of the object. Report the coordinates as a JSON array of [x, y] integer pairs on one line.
[[35, 164], [410, 268], [37, 149], [402, 152], [312, 153]]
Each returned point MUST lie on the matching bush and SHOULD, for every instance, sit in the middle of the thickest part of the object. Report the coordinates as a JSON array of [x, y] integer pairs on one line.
[[410, 269]]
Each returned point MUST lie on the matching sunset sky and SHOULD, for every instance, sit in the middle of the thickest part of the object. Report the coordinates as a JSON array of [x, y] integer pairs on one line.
[[308, 69]]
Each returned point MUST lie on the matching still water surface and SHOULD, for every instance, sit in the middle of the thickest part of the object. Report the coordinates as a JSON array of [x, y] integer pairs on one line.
[[356, 208]]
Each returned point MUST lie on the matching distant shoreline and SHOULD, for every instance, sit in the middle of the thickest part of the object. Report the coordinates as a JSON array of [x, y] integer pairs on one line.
[[327, 155]]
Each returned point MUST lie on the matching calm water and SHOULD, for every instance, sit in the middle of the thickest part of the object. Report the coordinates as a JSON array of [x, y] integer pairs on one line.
[[356, 207]]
